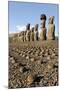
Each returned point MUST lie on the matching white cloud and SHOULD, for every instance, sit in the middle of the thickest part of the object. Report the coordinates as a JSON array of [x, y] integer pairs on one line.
[[20, 28]]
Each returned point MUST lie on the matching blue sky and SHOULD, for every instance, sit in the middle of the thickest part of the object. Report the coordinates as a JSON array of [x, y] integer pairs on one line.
[[21, 13]]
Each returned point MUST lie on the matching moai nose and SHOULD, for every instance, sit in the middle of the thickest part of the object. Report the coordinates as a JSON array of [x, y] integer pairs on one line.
[[42, 23]]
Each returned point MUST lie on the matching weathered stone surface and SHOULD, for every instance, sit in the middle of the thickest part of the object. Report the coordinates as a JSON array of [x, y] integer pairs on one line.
[[43, 34], [36, 32], [32, 34], [42, 25], [51, 29], [31, 70], [43, 28], [30, 79], [25, 36], [28, 32]]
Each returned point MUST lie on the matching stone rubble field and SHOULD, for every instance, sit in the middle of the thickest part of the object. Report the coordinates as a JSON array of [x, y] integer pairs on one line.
[[33, 64]]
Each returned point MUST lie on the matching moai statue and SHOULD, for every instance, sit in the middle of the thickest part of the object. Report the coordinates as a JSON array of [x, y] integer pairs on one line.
[[25, 36], [32, 34], [43, 28], [28, 32], [36, 32], [51, 28]]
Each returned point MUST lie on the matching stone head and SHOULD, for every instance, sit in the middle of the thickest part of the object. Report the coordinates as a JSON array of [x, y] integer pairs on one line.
[[43, 17], [28, 26], [51, 19]]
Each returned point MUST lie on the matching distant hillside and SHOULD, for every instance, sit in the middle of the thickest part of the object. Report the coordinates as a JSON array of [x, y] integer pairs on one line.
[[11, 35]]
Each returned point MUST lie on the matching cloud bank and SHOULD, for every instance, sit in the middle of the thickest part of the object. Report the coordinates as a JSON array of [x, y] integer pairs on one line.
[[20, 28]]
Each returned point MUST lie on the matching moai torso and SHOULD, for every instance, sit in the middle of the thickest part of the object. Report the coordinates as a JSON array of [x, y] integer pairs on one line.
[[51, 29], [36, 32], [43, 34], [32, 34], [28, 32], [43, 28]]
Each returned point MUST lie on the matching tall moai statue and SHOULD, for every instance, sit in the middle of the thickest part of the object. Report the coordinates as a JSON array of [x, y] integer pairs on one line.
[[32, 34], [28, 32], [43, 28], [36, 32], [51, 28]]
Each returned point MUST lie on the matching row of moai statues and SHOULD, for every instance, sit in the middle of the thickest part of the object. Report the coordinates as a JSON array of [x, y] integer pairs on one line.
[[33, 35], [29, 34]]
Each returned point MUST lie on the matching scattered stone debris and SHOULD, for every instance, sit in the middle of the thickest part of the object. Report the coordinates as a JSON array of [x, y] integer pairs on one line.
[[26, 69]]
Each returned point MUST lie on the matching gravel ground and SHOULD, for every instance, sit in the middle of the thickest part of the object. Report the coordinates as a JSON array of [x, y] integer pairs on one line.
[[33, 64]]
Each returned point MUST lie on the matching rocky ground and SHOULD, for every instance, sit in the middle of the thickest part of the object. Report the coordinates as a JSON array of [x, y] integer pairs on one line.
[[33, 64]]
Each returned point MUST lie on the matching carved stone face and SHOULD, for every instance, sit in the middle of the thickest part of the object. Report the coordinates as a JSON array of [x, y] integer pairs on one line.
[[51, 19], [43, 16], [42, 23], [28, 27]]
